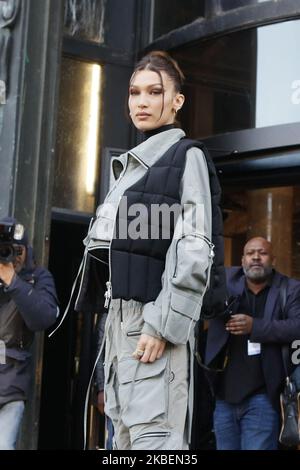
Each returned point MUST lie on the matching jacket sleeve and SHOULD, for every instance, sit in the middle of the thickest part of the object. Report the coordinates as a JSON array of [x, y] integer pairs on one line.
[[174, 313], [276, 330], [36, 303]]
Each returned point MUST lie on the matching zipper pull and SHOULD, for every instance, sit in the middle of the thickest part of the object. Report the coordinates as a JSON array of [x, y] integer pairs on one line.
[[212, 253], [107, 294], [121, 314]]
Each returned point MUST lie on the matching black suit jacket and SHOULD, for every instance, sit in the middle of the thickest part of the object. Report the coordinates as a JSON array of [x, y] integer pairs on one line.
[[270, 331]]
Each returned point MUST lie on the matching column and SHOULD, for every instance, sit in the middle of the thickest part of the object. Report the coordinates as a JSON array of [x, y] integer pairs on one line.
[[270, 215]]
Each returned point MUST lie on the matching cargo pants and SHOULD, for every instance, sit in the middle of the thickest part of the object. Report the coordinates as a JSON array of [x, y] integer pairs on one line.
[[147, 403]]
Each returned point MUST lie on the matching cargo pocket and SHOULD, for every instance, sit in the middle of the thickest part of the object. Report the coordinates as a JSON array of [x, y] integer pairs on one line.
[[143, 391], [112, 406], [183, 311]]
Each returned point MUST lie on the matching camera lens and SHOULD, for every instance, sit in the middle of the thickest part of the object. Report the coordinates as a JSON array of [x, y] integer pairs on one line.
[[6, 252]]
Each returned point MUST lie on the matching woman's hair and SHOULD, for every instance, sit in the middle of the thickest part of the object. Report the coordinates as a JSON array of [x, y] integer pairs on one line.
[[161, 61]]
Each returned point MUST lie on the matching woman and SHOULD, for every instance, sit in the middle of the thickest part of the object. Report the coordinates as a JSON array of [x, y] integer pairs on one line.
[[152, 237]]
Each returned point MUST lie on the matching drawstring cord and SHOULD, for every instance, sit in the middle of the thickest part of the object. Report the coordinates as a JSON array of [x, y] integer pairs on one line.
[[74, 284], [87, 396], [71, 296]]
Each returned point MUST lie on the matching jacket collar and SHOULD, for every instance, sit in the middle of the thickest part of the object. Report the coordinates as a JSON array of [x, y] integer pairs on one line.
[[149, 151]]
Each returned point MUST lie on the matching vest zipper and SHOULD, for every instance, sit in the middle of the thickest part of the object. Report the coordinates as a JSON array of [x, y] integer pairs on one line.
[[108, 292], [121, 314], [204, 238]]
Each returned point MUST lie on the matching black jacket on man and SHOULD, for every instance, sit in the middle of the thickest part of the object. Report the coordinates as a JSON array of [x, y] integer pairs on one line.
[[270, 331]]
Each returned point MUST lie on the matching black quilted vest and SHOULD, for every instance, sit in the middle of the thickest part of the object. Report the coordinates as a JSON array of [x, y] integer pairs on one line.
[[138, 264]]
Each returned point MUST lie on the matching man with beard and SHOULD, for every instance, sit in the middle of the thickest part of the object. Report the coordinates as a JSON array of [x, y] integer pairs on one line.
[[248, 342], [28, 303]]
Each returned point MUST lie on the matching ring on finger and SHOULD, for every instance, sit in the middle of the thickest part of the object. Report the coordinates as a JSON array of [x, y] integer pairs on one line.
[[139, 352]]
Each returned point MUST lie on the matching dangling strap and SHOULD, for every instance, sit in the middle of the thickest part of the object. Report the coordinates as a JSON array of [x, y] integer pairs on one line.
[[74, 284], [87, 396], [71, 296]]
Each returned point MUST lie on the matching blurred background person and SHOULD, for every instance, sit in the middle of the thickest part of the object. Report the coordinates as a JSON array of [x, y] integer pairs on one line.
[[28, 303]]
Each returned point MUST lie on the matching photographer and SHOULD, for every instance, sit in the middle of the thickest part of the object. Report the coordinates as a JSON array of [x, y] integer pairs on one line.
[[247, 413], [28, 303]]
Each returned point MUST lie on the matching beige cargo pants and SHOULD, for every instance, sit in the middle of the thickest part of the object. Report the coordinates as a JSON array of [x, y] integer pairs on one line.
[[146, 402]]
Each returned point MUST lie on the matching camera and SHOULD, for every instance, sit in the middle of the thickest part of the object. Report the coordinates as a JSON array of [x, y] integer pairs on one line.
[[232, 307], [10, 235]]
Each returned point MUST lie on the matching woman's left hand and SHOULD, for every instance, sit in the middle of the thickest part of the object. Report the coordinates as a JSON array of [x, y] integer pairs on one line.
[[149, 348]]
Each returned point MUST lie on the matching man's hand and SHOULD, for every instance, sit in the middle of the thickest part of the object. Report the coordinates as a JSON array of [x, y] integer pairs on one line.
[[149, 348], [239, 324], [7, 273]]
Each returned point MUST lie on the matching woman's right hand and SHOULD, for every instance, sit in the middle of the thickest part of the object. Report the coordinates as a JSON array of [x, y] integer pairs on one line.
[[149, 348]]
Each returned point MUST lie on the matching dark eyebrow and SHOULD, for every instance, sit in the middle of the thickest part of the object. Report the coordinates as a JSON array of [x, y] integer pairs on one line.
[[149, 86]]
